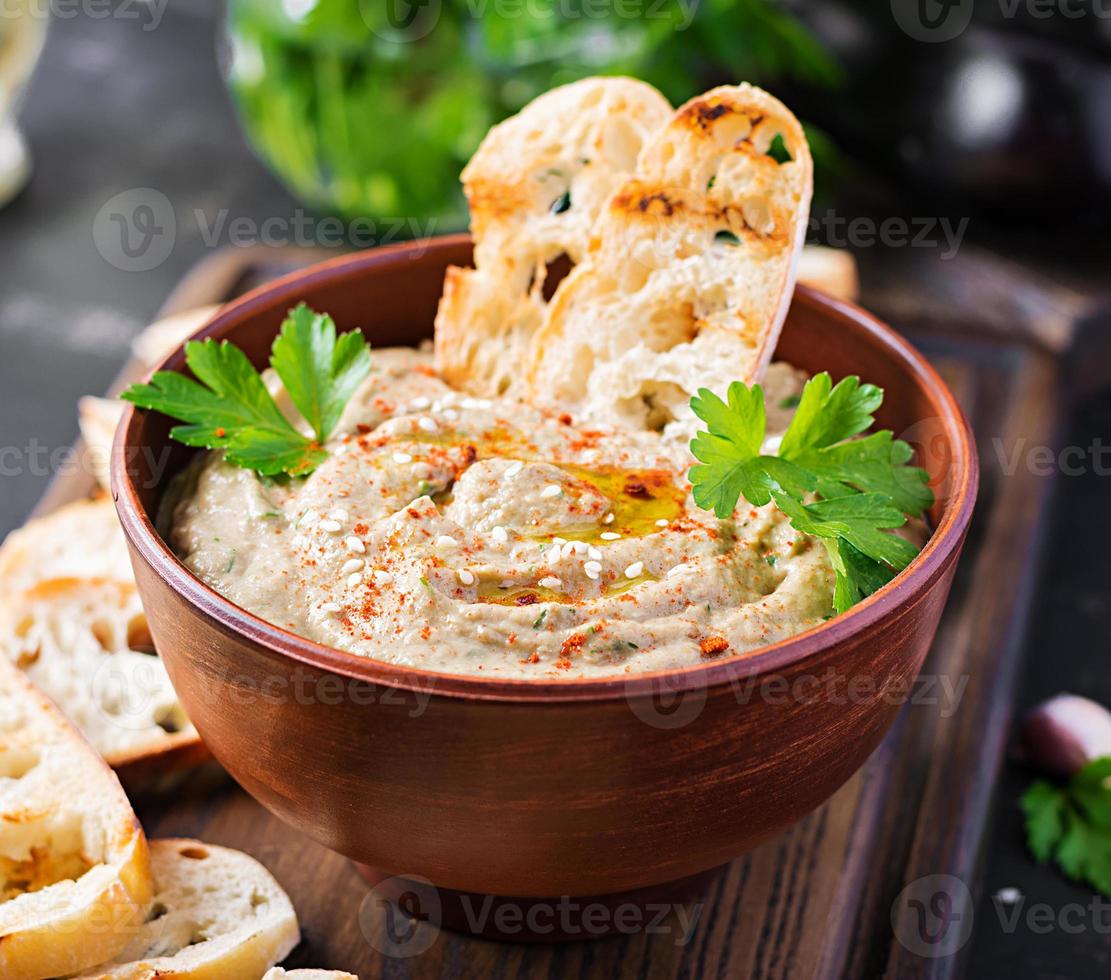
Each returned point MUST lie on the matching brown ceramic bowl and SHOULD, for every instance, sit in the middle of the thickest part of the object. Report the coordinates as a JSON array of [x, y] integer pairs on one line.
[[544, 788]]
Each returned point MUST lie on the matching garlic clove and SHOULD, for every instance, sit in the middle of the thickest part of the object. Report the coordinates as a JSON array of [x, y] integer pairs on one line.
[[1065, 733]]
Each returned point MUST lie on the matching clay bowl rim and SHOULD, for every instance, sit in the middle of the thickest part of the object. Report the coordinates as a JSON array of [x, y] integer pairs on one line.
[[888, 602]]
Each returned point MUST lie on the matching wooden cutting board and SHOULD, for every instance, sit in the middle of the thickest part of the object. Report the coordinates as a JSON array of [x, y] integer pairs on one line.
[[829, 898]]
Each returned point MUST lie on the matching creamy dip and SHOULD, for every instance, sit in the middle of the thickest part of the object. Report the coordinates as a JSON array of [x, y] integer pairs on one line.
[[493, 538]]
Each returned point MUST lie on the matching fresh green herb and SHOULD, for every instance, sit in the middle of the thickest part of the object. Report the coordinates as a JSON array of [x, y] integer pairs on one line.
[[424, 581], [231, 561], [771, 559], [1071, 824], [562, 203], [778, 150], [710, 183], [539, 621], [726, 238], [791, 401], [228, 406], [863, 485], [270, 515]]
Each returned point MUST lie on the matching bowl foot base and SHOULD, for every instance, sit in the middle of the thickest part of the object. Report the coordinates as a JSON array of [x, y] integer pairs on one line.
[[671, 907]]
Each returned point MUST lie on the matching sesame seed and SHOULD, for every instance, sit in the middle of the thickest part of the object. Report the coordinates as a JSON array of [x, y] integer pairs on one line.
[[595, 553], [677, 570], [330, 526], [593, 569], [662, 522], [339, 514], [635, 570], [330, 607], [579, 547], [550, 582], [427, 425], [609, 535], [514, 468], [556, 539], [450, 414], [421, 401], [500, 534], [353, 565], [355, 544], [402, 457], [467, 578], [608, 519], [567, 550], [382, 577], [551, 490], [353, 580], [446, 541], [309, 517]]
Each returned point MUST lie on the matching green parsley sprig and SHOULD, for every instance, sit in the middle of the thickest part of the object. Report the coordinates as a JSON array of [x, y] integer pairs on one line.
[[1071, 824], [229, 408], [831, 481]]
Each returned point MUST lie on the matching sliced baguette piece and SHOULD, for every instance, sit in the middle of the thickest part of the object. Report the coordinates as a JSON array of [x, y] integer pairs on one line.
[[98, 419], [217, 914], [690, 270], [85, 643], [832, 270], [535, 188], [75, 874], [80, 540], [164, 336], [67, 598], [277, 973]]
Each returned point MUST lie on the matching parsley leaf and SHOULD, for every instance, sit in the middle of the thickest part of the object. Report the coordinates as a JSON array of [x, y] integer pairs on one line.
[[227, 405], [319, 372], [863, 487], [1071, 824]]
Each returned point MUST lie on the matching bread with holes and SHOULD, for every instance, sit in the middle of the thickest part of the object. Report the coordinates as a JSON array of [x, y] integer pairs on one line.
[[535, 188], [70, 615], [75, 875], [85, 643], [80, 540], [217, 914], [278, 973], [98, 419], [690, 269]]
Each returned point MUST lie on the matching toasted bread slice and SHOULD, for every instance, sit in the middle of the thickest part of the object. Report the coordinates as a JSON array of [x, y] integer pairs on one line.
[[80, 540], [832, 270], [690, 270], [217, 914], [164, 336], [535, 187], [75, 875], [277, 973], [98, 418], [86, 645], [70, 614]]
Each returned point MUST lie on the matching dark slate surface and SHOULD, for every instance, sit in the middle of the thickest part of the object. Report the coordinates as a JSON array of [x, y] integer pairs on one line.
[[112, 107]]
